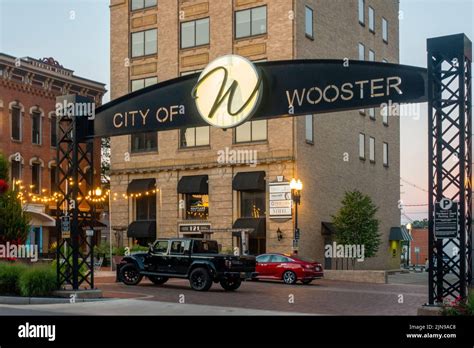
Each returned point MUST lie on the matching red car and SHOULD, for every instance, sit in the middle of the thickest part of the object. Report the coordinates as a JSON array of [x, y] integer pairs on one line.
[[288, 268]]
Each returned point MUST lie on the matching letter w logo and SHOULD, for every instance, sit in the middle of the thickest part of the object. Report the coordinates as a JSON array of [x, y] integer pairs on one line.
[[222, 95]]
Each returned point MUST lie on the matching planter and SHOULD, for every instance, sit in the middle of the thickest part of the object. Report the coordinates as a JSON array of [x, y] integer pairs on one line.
[[115, 261]]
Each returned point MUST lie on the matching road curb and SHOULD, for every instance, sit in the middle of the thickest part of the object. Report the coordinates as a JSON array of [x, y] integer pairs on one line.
[[16, 300]]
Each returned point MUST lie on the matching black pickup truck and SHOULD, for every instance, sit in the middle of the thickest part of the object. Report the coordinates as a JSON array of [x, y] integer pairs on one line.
[[195, 259]]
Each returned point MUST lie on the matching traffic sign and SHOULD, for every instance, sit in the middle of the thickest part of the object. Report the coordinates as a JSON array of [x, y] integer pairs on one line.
[[65, 227]]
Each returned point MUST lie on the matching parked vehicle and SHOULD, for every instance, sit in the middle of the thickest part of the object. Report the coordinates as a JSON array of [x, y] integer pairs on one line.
[[288, 268], [195, 259]]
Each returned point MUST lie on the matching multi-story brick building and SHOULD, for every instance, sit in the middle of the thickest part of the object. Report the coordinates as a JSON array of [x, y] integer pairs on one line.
[[153, 41], [28, 132]]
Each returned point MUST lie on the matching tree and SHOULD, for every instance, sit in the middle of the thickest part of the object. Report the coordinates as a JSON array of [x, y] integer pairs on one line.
[[355, 223], [14, 221]]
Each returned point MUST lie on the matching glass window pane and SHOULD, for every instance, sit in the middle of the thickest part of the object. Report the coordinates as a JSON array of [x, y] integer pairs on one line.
[[362, 11], [151, 81], [372, 150], [150, 3], [371, 56], [137, 4], [361, 52], [187, 35], [385, 154], [36, 178], [242, 24], [259, 130], [372, 113], [188, 137], [16, 170], [309, 22], [361, 145], [371, 19], [202, 32], [202, 136], [259, 20], [242, 133], [137, 44], [36, 128], [384, 29], [54, 131], [151, 42], [137, 85], [252, 204], [309, 128], [16, 123]]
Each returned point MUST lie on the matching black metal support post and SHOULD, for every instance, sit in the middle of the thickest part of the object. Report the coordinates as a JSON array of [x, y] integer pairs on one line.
[[450, 167]]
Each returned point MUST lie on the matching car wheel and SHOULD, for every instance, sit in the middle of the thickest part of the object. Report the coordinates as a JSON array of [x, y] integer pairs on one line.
[[289, 277], [130, 274], [200, 279], [231, 284], [307, 281], [158, 280]]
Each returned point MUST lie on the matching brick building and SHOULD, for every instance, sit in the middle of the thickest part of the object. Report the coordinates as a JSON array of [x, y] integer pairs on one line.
[[28, 133], [153, 41], [420, 244]]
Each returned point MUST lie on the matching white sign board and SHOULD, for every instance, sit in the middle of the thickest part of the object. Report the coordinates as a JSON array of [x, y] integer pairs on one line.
[[280, 200]]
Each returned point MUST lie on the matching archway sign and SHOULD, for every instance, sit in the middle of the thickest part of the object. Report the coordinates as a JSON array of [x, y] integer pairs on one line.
[[232, 90]]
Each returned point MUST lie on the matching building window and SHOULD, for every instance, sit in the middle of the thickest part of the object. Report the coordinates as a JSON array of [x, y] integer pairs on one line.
[[144, 142], [251, 131], [384, 30], [384, 61], [15, 170], [194, 137], [385, 112], [372, 113], [362, 146], [251, 22], [371, 19], [385, 154], [361, 51], [16, 123], [53, 178], [252, 204], [362, 12], [197, 207], [309, 22], [372, 150], [145, 208], [141, 4], [144, 43], [54, 130], [36, 128], [309, 124], [143, 83], [36, 178], [371, 56], [195, 33]]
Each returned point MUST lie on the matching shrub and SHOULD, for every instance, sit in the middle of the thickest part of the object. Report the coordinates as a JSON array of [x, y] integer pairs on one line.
[[459, 306], [9, 276], [37, 281]]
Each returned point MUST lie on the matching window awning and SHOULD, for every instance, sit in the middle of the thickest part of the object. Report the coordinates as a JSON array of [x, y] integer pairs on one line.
[[399, 234], [141, 185], [257, 224], [251, 181], [194, 185], [142, 229], [328, 229]]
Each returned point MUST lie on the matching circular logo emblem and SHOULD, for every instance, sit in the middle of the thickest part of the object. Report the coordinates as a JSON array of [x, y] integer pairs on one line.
[[228, 91]]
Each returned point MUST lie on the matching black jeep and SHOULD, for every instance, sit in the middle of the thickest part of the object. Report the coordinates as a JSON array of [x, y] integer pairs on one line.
[[195, 259]]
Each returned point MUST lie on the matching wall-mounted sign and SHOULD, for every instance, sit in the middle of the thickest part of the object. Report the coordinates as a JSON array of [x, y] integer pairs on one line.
[[228, 91], [446, 219], [65, 227], [194, 228], [231, 89], [280, 200]]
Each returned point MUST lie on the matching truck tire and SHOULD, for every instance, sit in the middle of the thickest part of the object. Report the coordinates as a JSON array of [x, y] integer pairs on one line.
[[130, 275], [158, 280], [200, 279], [231, 284]]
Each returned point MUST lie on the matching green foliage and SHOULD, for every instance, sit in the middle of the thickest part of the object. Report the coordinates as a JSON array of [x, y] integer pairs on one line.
[[420, 224], [37, 281], [459, 307], [9, 277], [356, 224], [14, 221], [3, 168]]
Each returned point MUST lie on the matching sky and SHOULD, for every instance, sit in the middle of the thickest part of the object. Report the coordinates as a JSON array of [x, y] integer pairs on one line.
[[76, 33]]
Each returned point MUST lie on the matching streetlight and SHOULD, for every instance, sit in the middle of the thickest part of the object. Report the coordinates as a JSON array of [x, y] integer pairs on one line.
[[409, 227], [296, 188]]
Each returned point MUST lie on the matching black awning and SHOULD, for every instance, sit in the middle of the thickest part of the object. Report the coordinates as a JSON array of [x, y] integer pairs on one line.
[[328, 229], [141, 186], [257, 224], [142, 229], [399, 234], [251, 181], [194, 185]]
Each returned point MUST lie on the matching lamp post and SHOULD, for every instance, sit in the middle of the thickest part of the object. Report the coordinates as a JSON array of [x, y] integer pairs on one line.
[[296, 188], [409, 227]]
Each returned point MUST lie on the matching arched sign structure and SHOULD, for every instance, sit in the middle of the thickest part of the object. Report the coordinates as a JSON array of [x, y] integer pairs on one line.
[[232, 90]]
